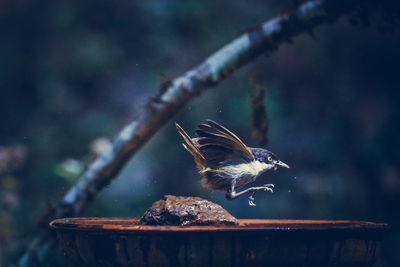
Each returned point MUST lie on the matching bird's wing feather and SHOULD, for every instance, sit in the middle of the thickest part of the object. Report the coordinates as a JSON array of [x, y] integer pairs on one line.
[[219, 144], [215, 146]]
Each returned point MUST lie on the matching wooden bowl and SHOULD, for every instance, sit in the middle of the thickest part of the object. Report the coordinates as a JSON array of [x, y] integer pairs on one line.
[[122, 242]]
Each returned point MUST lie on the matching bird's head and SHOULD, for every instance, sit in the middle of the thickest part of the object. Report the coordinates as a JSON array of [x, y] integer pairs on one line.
[[268, 157]]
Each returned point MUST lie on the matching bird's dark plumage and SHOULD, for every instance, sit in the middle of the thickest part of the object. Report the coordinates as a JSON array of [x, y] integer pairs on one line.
[[225, 162]]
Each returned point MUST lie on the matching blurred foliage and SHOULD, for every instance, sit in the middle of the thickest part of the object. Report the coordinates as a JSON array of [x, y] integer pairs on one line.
[[73, 71]]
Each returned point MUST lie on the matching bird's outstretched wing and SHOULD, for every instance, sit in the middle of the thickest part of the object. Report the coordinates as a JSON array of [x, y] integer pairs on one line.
[[215, 146]]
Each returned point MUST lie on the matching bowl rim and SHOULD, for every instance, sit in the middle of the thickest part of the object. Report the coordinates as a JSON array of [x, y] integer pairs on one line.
[[131, 225]]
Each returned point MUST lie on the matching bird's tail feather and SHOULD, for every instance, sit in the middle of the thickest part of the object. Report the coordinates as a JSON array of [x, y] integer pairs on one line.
[[191, 147]]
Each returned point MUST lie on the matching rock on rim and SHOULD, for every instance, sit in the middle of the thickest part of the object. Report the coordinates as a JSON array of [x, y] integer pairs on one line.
[[184, 211]]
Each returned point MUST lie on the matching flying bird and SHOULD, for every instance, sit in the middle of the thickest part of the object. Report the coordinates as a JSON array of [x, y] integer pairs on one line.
[[225, 163]]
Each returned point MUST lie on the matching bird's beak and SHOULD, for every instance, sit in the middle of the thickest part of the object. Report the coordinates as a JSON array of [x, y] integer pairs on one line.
[[282, 164]]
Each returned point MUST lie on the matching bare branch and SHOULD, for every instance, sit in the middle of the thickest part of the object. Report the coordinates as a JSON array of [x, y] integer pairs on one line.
[[264, 39], [259, 117]]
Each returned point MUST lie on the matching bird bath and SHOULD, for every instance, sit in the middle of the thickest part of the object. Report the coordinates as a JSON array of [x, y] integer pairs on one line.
[[253, 242]]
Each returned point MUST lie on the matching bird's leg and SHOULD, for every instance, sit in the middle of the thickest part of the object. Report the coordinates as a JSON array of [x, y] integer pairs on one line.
[[251, 199], [231, 194]]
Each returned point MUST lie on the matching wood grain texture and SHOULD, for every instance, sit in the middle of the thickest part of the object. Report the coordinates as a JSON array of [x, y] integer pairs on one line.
[[108, 241]]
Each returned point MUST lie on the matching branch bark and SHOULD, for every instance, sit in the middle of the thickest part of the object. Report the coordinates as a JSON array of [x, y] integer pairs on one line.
[[263, 39]]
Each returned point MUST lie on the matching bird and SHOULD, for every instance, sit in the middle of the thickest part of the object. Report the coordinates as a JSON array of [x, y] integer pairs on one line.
[[225, 163]]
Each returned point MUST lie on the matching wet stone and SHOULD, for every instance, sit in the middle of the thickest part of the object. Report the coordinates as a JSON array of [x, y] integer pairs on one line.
[[175, 210]]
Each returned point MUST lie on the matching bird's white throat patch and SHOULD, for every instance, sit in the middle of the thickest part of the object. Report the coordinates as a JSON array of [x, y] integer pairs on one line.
[[253, 168]]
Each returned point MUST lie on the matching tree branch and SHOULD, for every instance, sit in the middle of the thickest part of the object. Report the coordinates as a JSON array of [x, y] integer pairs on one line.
[[264, 39]]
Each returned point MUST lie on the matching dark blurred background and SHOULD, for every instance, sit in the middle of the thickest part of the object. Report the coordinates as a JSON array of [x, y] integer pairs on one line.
[[72, 73]]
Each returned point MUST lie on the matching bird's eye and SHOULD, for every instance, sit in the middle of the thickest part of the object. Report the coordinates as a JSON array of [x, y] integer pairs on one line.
[[269, 159]]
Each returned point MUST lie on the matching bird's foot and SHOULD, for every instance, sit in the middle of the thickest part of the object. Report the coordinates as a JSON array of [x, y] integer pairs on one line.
[[251, 200], [269, 187]]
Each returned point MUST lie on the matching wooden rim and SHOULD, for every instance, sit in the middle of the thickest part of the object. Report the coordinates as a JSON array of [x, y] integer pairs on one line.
[[131, 225]]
